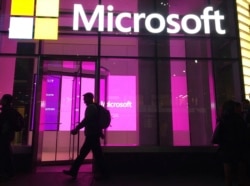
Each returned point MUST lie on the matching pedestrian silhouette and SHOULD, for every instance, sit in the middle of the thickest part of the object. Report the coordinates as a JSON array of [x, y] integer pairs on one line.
[[246, 111], [231, 137], [93, 133], [10, 122]]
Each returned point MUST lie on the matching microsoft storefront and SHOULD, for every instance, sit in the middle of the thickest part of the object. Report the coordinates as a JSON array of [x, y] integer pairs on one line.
[[162, 68]]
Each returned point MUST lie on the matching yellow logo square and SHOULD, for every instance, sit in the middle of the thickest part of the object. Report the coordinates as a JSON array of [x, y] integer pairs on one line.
[[46, 28], [22, 7]]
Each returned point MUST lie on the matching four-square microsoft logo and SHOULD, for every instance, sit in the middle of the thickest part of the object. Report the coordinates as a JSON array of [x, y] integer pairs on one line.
[[34, 19]]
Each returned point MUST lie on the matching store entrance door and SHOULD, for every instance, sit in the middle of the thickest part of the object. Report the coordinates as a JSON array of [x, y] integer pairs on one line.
[[62, 107]]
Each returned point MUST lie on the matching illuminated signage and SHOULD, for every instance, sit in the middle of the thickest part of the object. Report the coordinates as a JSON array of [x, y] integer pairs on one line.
[[126, 104], [32, 19], [172, 24]]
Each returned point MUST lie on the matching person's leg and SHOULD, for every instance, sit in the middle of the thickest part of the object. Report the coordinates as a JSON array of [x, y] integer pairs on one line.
[[228, 173], [2, 158], [242, 173], [85, 149], [6, 163], [9, 167], [100, 169]]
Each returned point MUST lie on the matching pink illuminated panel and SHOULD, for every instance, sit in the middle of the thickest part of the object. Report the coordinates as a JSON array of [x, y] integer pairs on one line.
[[212, 96], [88, 85], [66, 101], [181, 135], [43, 103], [122, 102], [50, 103]]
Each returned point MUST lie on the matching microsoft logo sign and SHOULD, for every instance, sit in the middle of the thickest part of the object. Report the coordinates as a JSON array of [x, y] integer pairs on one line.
[[34, 19]]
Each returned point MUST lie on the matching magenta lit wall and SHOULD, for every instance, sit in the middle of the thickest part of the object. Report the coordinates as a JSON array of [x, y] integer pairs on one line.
[[7, 76]]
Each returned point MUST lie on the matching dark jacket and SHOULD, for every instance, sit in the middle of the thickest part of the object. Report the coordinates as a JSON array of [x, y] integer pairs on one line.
[[7, 124], [232, 134], [90, 121]]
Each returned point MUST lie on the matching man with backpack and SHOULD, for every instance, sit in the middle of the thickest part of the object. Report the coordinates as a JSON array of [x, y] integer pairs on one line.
[[93, 133]]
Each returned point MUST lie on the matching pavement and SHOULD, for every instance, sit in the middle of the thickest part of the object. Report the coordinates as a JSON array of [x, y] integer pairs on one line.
[[53, 176]]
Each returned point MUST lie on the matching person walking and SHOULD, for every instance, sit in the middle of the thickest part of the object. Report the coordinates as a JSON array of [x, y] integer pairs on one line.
[[93, 133], [10, 120], [231, 137]]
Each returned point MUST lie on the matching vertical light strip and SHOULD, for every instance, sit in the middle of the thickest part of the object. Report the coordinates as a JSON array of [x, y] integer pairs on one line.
[[244, 28], [181, 130]]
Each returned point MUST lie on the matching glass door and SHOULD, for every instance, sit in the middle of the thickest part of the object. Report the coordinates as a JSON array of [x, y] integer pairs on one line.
[[62, 107]]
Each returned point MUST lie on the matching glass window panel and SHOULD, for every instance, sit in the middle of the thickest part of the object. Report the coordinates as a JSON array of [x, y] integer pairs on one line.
[[10, 45], [225, 47], [16, 77], [129, 6], [184, 47], [119, 46], [68, 5], [227, 80], [132, 83], [123, 101], [71, 45], [201, 101], [179, 94], [186, 89]]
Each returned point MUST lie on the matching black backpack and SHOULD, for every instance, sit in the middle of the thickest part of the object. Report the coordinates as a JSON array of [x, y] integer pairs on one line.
[[104, 117]]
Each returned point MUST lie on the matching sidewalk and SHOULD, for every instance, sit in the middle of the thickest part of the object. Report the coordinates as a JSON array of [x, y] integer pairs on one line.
[[49, 176]]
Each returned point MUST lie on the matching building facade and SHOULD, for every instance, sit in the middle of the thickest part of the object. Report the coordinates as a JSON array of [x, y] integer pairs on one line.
[[163, 68]]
